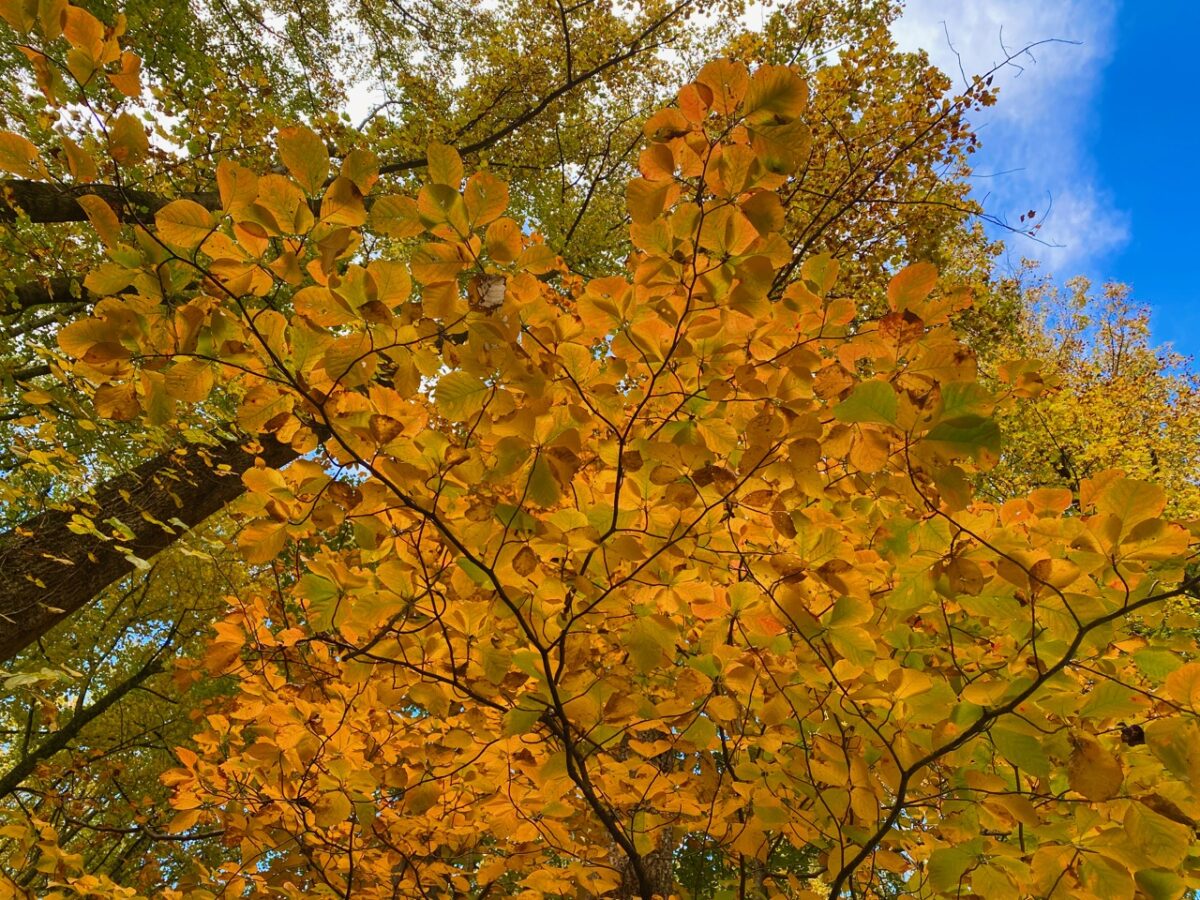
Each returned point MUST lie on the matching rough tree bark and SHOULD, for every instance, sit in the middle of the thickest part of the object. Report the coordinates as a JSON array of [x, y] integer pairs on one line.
[[48, 572], [43, 201]]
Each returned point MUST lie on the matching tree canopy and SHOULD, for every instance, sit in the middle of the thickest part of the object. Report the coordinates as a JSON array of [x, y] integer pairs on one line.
[[607, 466]]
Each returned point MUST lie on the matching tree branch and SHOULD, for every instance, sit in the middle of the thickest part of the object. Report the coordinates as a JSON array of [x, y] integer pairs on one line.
[[48, 570]]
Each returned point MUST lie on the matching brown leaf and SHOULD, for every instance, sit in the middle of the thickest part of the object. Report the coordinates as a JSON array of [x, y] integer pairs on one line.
[[525, 561]]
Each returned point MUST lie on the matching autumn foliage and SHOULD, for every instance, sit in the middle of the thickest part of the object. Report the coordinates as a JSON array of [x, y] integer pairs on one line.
[[588, 586]]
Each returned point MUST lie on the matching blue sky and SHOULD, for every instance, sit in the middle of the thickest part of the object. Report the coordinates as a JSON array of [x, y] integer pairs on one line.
[[1100, 138]]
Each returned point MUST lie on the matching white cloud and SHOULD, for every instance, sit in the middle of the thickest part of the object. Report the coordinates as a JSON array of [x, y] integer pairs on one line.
[[1036, 135]]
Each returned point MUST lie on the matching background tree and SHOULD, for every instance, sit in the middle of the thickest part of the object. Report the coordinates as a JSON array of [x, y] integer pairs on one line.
[[1118, 402]]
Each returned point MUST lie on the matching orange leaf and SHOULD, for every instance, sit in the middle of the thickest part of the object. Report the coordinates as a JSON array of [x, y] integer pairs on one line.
[[911, 285], [728, 80]]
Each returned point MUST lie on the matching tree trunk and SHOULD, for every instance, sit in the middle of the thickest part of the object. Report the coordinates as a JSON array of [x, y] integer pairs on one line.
[[47, 571], [52, 292], [43, 201], [659, 866]]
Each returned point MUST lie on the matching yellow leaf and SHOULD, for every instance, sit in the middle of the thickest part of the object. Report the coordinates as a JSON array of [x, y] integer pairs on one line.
[[102, 217], [343, 204], [775, 94], [18, 14], [262, 541], [503, 240], [333, 809], [822, 271], [525, 561], [83, 30], [537, 259], [396, 216], [238, 186], [19, 156], [361, 167], [1057, 573], [422, 797], [669, 123], [190, 380], [648, 199], [183, 820], [392, 282], [128, 143], [1131, 501], [1093, 771], [439, 205], [79, 162], [118, 402], [434, 263], [304, 154], [1156, 837], [486, 197], [183, 223], [460, 395], [1183, 685], [445, 165]]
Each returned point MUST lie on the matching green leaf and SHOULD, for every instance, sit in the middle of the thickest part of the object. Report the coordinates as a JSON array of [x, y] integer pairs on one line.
[[1109, 700], [439, 204], [947, 865], [460, 396], [872, 401], [1022, 750], [322, 595], [648, 643], [1156, 664], [1159, 884], [1107, 878], [963, 398], [854, 643], [968, 435], [1175, 742], [543, 487], [702, 732], [475, 573], [1159, 839], [514, 518], [821, 270], [520, 721]]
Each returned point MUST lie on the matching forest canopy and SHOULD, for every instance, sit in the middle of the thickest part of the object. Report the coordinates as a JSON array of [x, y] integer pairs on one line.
[[543, 449]]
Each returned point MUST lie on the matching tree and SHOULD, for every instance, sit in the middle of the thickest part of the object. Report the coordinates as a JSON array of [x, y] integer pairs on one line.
[[879, 107], [1117, 402], [583, 583]]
